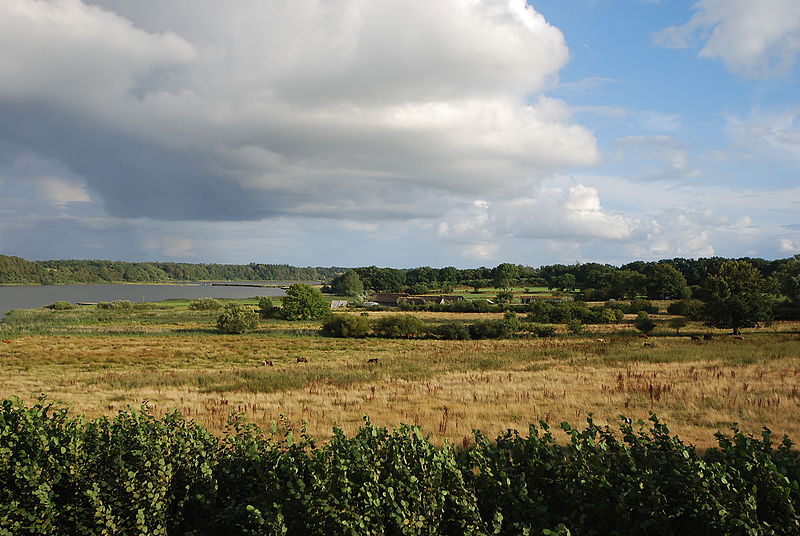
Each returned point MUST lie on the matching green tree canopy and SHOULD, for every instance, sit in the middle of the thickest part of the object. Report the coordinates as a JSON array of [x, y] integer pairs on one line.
[[347, 284], [666, 282], [237, 318], [737, 296], [304, 302]]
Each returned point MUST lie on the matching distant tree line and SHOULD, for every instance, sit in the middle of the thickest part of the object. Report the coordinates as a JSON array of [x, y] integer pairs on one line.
[[15, 270]]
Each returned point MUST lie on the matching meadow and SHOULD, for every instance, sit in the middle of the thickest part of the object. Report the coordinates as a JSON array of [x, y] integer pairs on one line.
[[100, 361]]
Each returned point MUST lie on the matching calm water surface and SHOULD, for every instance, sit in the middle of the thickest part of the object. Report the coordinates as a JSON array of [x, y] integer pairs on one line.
[[26, 297]]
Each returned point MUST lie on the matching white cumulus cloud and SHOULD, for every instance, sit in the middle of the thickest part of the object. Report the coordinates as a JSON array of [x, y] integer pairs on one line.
[[753, 38]]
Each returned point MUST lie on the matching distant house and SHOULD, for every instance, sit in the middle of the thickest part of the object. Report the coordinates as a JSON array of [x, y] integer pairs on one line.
[[338, 304], [433, 298], [388, 298]]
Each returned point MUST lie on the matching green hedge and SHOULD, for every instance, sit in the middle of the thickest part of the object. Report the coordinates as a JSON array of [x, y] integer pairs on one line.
[[139, 475]]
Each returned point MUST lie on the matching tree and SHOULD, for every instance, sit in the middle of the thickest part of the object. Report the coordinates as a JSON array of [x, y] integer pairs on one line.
[[666, 282], [347, 284], [504, 275], [267, 309], [737, 296], [304, 302], [677, 324], [565, 282], [236, 318], [644, 323]]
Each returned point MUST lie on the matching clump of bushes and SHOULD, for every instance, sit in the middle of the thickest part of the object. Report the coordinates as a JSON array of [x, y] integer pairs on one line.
[[398, 326], [205, 304], [644, 323], [61, 306], [236, 318], [691, 309], [267, 309], [346, 325], [634, 306], [116, 304], [452, 331], [139, 474]]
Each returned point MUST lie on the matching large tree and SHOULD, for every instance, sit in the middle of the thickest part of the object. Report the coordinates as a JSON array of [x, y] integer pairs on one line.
[[737, 296], [666, 282], [347, 284], [304, 302]]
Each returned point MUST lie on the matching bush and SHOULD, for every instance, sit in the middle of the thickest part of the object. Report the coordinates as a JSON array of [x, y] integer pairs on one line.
[[543, 331], [691, 309], [61, 306], [398, 326], [346, 325], [575, 327], [237, 318], [304, 302], [452, 331], [490, 329], [116, 304], [644, 323], [205, 304], [267, 309]]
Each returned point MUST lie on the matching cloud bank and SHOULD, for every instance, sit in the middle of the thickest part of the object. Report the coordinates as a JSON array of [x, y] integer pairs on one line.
[[260, 108]]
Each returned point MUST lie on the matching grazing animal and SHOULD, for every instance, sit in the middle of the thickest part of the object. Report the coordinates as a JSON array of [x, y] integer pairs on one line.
[[648, 345], [302, 360], [6, 341], [738, 338], [602, 341], [372, 360], [695, 337], [643, 336], [266, 363]]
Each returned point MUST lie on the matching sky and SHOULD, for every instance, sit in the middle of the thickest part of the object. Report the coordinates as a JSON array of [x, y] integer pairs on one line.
[[399, 132]]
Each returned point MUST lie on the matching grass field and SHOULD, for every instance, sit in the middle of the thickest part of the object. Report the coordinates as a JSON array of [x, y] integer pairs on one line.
[[99, 361]]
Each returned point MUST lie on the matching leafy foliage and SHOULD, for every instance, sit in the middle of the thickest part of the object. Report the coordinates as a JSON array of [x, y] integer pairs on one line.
[[644, 323], [205, 304], [237, 318], [737, 296], [398, 326], [137, 474], [304, 302], [346, 325]]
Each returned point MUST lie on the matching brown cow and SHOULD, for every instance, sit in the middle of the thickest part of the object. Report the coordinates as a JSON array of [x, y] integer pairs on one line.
[[302, 360], [372, 360], [266, 363], [648, 345]]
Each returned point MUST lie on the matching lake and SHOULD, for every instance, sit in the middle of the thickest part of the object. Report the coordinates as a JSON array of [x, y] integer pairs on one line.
[[26, 297]]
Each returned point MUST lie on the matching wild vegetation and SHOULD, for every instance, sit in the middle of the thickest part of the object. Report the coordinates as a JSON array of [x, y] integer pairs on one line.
[[294, 366], [138, 474]]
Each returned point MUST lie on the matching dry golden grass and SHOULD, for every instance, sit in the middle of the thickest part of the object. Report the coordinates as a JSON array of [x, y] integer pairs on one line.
[[446, 387]]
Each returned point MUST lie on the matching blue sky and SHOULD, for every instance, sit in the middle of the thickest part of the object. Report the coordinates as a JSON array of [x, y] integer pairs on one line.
[[359, 132]]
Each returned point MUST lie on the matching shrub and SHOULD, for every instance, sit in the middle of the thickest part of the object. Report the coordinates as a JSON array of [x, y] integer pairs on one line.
[[644, 323], [116, 304], [267, 309], [346, 325], [575, 327], [61, 306], [490, 329], [452, 331], [691, 309], [397, 326], [304, 302], [236, 318], [205, 304], [640, 304], [543, 331]]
